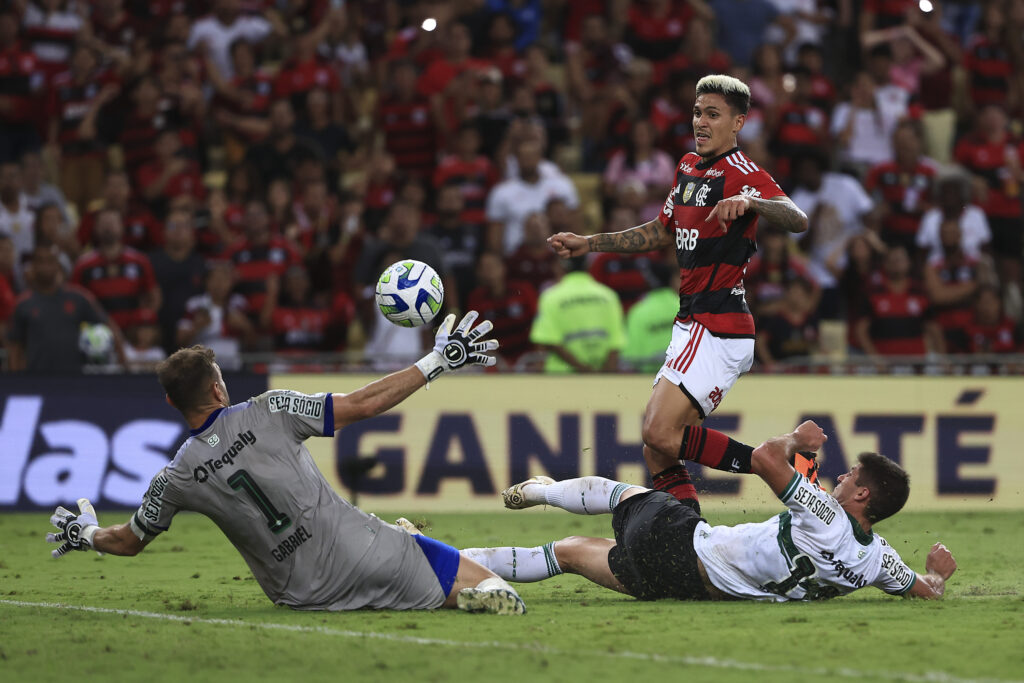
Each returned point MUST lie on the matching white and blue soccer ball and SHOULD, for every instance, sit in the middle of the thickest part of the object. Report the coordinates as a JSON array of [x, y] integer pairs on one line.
[[409, 293], [96, 342]]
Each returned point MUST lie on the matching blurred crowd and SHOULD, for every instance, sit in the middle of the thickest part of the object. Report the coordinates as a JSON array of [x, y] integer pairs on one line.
[[237, 173]]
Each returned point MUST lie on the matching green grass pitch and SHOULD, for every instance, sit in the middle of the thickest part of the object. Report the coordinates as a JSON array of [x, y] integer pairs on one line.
[[187, 609]]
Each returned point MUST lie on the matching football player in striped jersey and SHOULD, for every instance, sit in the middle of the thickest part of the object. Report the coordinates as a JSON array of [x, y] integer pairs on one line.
[[711, 217]]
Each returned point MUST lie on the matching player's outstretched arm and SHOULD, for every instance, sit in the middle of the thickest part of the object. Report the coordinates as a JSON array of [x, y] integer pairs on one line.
[[82, 532], [771, 460], [939, 566], [779, 211], [647, 237], [453, 349]]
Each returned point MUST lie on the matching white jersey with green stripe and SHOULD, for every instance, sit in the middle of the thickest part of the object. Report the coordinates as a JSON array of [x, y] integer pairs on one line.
[[812, 551]]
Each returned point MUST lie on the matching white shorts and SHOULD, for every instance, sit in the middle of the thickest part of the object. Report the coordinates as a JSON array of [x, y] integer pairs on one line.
[[704, 366]]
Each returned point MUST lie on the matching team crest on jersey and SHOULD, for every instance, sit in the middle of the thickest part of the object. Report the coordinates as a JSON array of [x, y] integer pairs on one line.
[[213, 441], [688, 191], [702, 195]]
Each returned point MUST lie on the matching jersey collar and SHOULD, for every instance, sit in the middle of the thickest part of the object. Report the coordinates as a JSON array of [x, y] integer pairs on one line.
[[863, 537], [702, 164], [206, 425]]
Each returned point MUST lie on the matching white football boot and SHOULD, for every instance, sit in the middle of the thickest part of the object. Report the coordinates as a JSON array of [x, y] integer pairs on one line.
[[513, 495], [493, 596]]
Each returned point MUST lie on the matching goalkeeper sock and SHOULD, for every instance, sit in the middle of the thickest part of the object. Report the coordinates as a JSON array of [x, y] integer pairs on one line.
[[582, 496], [714, 449], [523, 565], [676, 482]]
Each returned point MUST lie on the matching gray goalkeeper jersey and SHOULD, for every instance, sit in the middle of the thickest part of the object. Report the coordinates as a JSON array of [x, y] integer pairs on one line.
[[246, 468]]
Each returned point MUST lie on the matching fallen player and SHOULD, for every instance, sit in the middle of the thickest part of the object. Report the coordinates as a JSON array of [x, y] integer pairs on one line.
[[821, 547]]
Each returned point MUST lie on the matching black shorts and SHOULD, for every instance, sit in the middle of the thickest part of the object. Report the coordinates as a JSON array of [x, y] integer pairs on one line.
[[653, 555]]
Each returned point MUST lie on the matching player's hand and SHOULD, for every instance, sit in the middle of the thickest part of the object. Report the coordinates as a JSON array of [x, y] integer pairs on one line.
[[940, 561], [75, 531], [455, 349], [809, 437], [728, 210], [568, 244]]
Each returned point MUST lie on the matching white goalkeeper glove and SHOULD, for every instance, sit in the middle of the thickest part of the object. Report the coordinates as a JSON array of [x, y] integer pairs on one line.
[[452, 350], [76, 531]]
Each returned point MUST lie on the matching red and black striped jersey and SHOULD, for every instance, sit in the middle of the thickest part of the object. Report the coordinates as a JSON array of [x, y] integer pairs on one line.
[[475, 177], [69, 103], [627, 274], [409, 134], [20, 82], [989, 71], [906, 192], [954, 317], [712, 262], [117, 284], [255, 264], [991, 161], [1000, 337], [897, 319], [511, 313]]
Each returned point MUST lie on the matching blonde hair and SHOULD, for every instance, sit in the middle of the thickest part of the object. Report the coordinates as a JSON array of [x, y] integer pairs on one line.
[[735, 91]]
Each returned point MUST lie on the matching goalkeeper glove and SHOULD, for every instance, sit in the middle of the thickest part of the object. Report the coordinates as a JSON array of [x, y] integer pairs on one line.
[[452, 350], [75, 531]]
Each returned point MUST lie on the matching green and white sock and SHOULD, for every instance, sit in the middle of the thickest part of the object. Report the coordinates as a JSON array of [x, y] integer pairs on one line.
[[582, 496], [522, 565]]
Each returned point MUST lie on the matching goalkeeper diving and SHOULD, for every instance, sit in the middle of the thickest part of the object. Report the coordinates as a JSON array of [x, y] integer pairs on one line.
[[245, 467]]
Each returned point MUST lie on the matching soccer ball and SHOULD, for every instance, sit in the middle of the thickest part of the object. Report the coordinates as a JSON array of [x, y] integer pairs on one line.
[[96, 342], [409, 293]]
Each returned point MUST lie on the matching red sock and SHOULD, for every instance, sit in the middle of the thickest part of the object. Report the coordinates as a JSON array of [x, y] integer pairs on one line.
[[714, 449], [676, 482]]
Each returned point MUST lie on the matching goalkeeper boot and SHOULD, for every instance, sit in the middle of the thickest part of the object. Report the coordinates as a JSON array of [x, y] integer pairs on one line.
[[493, 596], [514, 497], [806, 464]]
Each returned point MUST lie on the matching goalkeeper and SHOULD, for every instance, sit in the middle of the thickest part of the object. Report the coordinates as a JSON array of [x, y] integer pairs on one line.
[[246, 468], [821, 546]]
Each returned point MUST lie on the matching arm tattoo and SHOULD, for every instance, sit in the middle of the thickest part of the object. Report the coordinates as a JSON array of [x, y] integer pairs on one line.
[[782, 213], [646, 237]]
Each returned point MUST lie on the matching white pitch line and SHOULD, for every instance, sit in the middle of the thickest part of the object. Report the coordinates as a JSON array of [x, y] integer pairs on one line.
[[707, 662]]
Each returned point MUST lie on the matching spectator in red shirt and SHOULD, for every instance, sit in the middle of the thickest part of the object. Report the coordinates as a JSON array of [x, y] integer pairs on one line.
[[792, 331], [151, 114], [800, 126], [990, 71], [119, 277], [51, 28], [143, 231], [951, 283], [306, 71], [823, 92], [989, 330], [242, 103], [510, 304], [902, 188], [898, 320], [302, 322], [631, 276], [501, 47], [771, 270], [21, 83], [994, 157], [534, 261], [404, 117], [655, 29], [75, 100], [439, 80], [473, 173], [258, 256], [170, 174]]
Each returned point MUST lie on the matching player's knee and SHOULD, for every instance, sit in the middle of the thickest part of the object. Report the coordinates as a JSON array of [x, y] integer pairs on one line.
[[568, 553], [661, 440]]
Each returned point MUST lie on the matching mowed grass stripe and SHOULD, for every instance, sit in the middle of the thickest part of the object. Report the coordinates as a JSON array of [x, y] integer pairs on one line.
[[706, 662]]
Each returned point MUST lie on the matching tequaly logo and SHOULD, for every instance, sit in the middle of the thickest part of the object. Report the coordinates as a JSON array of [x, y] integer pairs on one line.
[[202, 473]]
